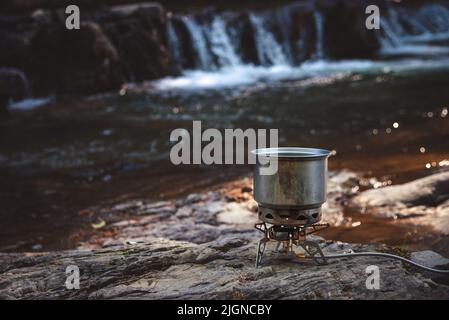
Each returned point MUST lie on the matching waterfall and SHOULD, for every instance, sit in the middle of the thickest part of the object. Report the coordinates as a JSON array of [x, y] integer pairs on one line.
[[415, 31], [417, 27], [15, 78], [19, 89], [319, 45], [283, 19], [394, 21], [173, 44], [390, 38], [431, 24], [221, 45], [199, 43], [25, 83], [268, 49], [434, 18], [300, 45], [269, 38], [228, 49]]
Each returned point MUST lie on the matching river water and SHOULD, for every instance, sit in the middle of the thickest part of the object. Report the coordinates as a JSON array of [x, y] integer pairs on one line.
[[385, 122], [385, 118]]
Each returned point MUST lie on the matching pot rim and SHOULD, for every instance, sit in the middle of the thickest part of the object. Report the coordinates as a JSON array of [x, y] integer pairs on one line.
[[291, 153]]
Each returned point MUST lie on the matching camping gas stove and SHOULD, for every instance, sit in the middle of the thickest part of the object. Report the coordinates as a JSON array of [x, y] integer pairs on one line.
[[290, 199], [286, 236]]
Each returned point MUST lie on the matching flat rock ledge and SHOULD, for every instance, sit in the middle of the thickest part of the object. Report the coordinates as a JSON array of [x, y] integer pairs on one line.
[[423, 201], [203, 246], [223, 269], [431, 191]]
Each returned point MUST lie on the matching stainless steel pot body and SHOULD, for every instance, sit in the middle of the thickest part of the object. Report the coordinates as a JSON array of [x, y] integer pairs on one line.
[[299, 183]]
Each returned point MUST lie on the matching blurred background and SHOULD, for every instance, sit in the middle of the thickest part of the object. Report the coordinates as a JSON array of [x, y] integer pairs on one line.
[[85, 115]]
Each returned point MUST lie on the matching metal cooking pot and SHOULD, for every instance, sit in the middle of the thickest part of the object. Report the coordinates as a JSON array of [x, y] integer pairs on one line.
[[295, 193]]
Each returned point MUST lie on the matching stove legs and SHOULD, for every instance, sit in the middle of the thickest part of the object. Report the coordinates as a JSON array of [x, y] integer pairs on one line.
[[260, 251], [288, 238], [314, 251]]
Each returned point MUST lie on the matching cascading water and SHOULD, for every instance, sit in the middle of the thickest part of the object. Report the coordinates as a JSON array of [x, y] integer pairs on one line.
[[415, 32], [300, 45], [433, 19], [173, 45], [24, 99], [25, 83], [213, 46], [390, 38], [204, 60], [284, 21], [229, 48], [15, 82], [17, 79], [319, 46], [221, 45], [268, 49]]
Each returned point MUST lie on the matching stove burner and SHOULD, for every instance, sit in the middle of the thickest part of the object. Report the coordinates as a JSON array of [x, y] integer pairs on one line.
[[289, 235], [290, 217]]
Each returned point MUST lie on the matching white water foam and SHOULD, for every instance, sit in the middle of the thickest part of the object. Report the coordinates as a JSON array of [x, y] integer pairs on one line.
[[244, 75], [414, 50], [29, 104]]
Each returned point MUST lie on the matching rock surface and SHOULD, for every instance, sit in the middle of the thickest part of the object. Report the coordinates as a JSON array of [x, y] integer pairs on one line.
[[202, 246], [424, 201], [429, 191], [223, 268], [429, 258], [84, 61], [113, 45]]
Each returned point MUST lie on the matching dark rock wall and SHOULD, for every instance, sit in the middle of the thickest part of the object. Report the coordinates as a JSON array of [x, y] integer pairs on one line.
[[80, 62], [344, 28], [138, 33], [113, 46]]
